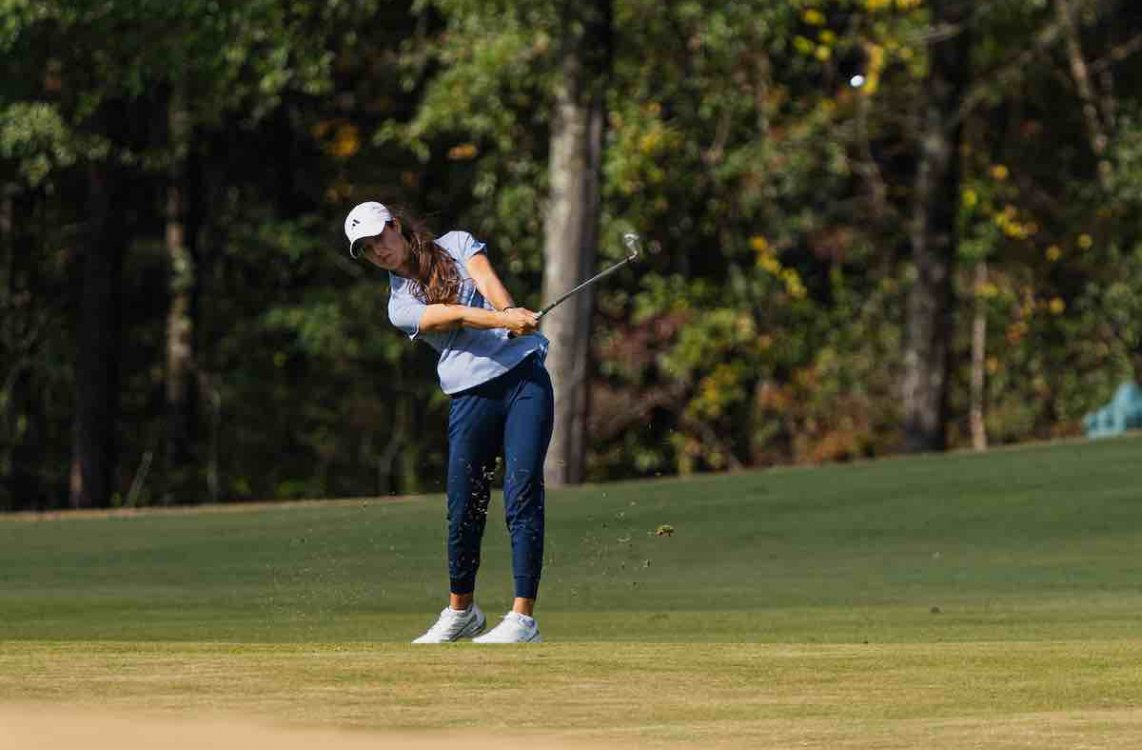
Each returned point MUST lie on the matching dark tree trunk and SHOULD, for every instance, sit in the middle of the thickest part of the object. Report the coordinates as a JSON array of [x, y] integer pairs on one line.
[[572, 226], [23, 328], [99, 327], [206, 178], [181, 401], [933, 232]]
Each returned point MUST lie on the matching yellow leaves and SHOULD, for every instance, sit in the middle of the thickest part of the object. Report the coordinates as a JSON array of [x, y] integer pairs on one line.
[[876, 62], [992, 365], [717, 391], [656, 136], [346, 141], [1086, 242], [793, 284], [876, 57], [823, 52], [1000, 172], [987, 290], [1008, 222], [463, 152], [765, 256], [813, 17], [905, 5], [1053, 253], [1014, 223], [650, 141], [1057, 306], [768, 262], [656, 139], [644, 141]]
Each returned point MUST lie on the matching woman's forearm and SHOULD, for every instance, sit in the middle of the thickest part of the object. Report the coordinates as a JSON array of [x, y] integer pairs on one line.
[[488, 283], [495, 292], [449, 317]]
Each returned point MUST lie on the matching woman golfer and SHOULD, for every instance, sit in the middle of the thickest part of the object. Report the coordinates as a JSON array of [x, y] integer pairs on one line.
[[444, 292]]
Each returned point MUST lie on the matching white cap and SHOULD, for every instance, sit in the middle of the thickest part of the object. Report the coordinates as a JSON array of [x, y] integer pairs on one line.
[[365, 220]]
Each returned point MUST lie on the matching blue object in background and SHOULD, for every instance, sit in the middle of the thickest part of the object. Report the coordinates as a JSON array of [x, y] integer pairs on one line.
[[1124, 412]]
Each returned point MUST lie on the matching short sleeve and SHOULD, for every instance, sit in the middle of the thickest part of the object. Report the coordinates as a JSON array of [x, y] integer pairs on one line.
[[471, 246], [461, 245], [405, 310]]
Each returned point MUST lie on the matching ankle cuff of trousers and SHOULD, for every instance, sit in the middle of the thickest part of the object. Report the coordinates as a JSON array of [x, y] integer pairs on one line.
[[526, 587], [462, 585]]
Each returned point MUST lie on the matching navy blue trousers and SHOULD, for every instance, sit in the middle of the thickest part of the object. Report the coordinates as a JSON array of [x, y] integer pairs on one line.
[[512, 414]]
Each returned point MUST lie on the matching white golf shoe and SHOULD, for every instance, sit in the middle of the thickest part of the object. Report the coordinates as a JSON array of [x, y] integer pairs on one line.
[[452, 625], [514, 628]]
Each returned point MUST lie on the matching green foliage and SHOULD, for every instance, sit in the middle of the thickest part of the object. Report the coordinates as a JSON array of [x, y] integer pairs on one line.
[[35, 137], [772, 184]]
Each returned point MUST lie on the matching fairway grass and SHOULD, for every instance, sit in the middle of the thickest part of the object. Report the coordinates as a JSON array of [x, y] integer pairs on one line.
[[948, 601], [995, 695]]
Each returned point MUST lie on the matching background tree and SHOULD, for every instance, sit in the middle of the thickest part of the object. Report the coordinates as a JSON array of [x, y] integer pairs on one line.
[[933, 228], [770, 153], [572, 223]]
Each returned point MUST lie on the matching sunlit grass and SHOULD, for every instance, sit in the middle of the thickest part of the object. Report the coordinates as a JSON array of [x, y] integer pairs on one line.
[[978, 600]]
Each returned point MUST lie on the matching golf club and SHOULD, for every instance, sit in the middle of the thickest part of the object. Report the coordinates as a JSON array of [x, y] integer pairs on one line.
[[634, 246]]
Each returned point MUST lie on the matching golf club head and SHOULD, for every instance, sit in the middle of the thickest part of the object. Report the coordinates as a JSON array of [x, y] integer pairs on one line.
[[633, 244]]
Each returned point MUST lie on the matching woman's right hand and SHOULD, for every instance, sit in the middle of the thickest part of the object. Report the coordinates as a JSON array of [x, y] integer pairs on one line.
[[520, 321]]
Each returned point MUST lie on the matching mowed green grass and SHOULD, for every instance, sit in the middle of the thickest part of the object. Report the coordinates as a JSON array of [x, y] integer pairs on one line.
[[967, 600]]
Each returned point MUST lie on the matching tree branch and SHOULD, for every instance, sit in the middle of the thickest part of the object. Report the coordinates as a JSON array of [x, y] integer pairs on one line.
[[1117, 55], [1006, 73], [1080, 74]]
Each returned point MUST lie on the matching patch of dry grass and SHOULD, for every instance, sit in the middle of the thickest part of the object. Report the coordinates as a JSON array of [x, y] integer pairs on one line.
[[995, 695]]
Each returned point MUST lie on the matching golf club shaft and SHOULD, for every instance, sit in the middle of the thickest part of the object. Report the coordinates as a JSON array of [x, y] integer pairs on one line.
[[586, 284]]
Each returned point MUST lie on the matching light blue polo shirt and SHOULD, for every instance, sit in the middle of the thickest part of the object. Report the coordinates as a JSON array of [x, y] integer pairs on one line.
[[468, 356]]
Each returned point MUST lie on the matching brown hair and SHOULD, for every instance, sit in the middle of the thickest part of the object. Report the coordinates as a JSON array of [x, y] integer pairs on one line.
[[434, 270]]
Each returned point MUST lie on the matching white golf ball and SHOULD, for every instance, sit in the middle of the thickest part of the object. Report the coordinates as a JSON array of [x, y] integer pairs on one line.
[[856, 81]]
